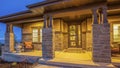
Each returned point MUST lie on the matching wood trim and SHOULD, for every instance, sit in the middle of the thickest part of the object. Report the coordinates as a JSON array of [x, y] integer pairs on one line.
[[26, 33], [38, 27], [15, 14], [36, 42]]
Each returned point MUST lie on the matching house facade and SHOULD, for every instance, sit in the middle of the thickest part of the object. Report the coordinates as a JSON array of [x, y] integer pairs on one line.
[[67, 25]]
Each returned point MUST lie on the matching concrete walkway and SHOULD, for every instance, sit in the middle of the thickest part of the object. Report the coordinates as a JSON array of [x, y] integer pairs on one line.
[[45, 66]]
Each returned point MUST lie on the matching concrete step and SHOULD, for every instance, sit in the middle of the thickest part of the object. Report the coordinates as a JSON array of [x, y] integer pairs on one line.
[[75, 65], [74, 50]]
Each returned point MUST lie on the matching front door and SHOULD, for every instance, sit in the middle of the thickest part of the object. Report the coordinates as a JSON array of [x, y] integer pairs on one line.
[[73, 36]]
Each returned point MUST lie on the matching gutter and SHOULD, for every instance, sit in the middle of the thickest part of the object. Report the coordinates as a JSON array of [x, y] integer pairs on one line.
[[46, 3], [15, 14]]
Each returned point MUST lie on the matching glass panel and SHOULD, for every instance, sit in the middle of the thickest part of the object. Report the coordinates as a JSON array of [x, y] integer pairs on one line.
[[72, 33], [72, 28], [35, 39], [35, 35], [73, 43], [72, 37], [116, 32], [35, 30]]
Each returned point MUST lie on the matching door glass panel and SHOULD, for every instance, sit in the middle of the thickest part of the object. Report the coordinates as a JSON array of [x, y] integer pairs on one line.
[[72, 28], [72, 37], [73, 43], [72, 32]]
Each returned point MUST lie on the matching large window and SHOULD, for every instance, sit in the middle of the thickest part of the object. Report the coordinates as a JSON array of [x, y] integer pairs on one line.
[[37, 35], [116, 32]]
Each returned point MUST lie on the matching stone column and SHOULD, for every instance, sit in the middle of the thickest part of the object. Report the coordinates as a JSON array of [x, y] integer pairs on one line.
[[9, 39], [48, 42], [101, 42]]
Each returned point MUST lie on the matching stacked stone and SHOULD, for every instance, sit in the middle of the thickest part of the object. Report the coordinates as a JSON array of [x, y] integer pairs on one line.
[[59, 41], [47, 43], [9, 42], [101, 43]]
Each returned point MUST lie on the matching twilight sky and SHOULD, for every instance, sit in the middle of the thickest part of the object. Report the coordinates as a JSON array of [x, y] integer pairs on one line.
[[13, 6]]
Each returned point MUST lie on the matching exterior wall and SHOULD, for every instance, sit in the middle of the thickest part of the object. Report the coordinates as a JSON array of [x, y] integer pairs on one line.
[[83, 32], [27, 33], [60, 30], [87, 34], [58, 34], [61, 34], [65, 35]]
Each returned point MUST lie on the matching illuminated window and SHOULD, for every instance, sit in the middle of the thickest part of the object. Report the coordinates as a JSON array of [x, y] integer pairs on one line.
[[116, 33], [37, 35]]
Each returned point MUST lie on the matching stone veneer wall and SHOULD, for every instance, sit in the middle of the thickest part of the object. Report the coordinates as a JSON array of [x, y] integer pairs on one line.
[[87, 34], [89, 41], [65, 40], [101, 43], [61, 39], [58, 41], [48, 43]]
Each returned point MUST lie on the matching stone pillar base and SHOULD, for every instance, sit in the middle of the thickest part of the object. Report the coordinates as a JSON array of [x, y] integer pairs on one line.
[[9, 42], [48, 43], [101, 43]]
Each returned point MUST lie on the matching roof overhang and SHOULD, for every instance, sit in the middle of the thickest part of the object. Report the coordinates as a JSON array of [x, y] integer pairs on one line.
[[61, 8]]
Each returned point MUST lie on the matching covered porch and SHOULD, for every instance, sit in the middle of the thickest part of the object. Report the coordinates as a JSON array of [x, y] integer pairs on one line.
[[73, 35]]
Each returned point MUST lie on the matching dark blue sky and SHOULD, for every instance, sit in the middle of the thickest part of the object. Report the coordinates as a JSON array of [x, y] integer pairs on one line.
[[13, 6]]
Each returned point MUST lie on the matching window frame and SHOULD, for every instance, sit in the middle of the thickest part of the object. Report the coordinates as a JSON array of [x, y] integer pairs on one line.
[[113, 36], [39, 35]]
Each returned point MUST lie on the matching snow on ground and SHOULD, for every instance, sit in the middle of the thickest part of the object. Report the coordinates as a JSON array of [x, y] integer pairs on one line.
[[46, 66]]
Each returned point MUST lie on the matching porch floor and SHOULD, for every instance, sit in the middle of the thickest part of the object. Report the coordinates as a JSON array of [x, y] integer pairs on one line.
[[87, 56], [66, 57]]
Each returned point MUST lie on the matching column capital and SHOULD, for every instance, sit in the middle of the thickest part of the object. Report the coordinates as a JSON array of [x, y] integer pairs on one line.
[[45, 21], [50, 21], [9, 28], [104, 10], [94, 12]]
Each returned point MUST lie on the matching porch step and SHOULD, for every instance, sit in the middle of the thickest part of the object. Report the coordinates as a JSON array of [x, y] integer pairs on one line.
[[68, 64], [74, 50]]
